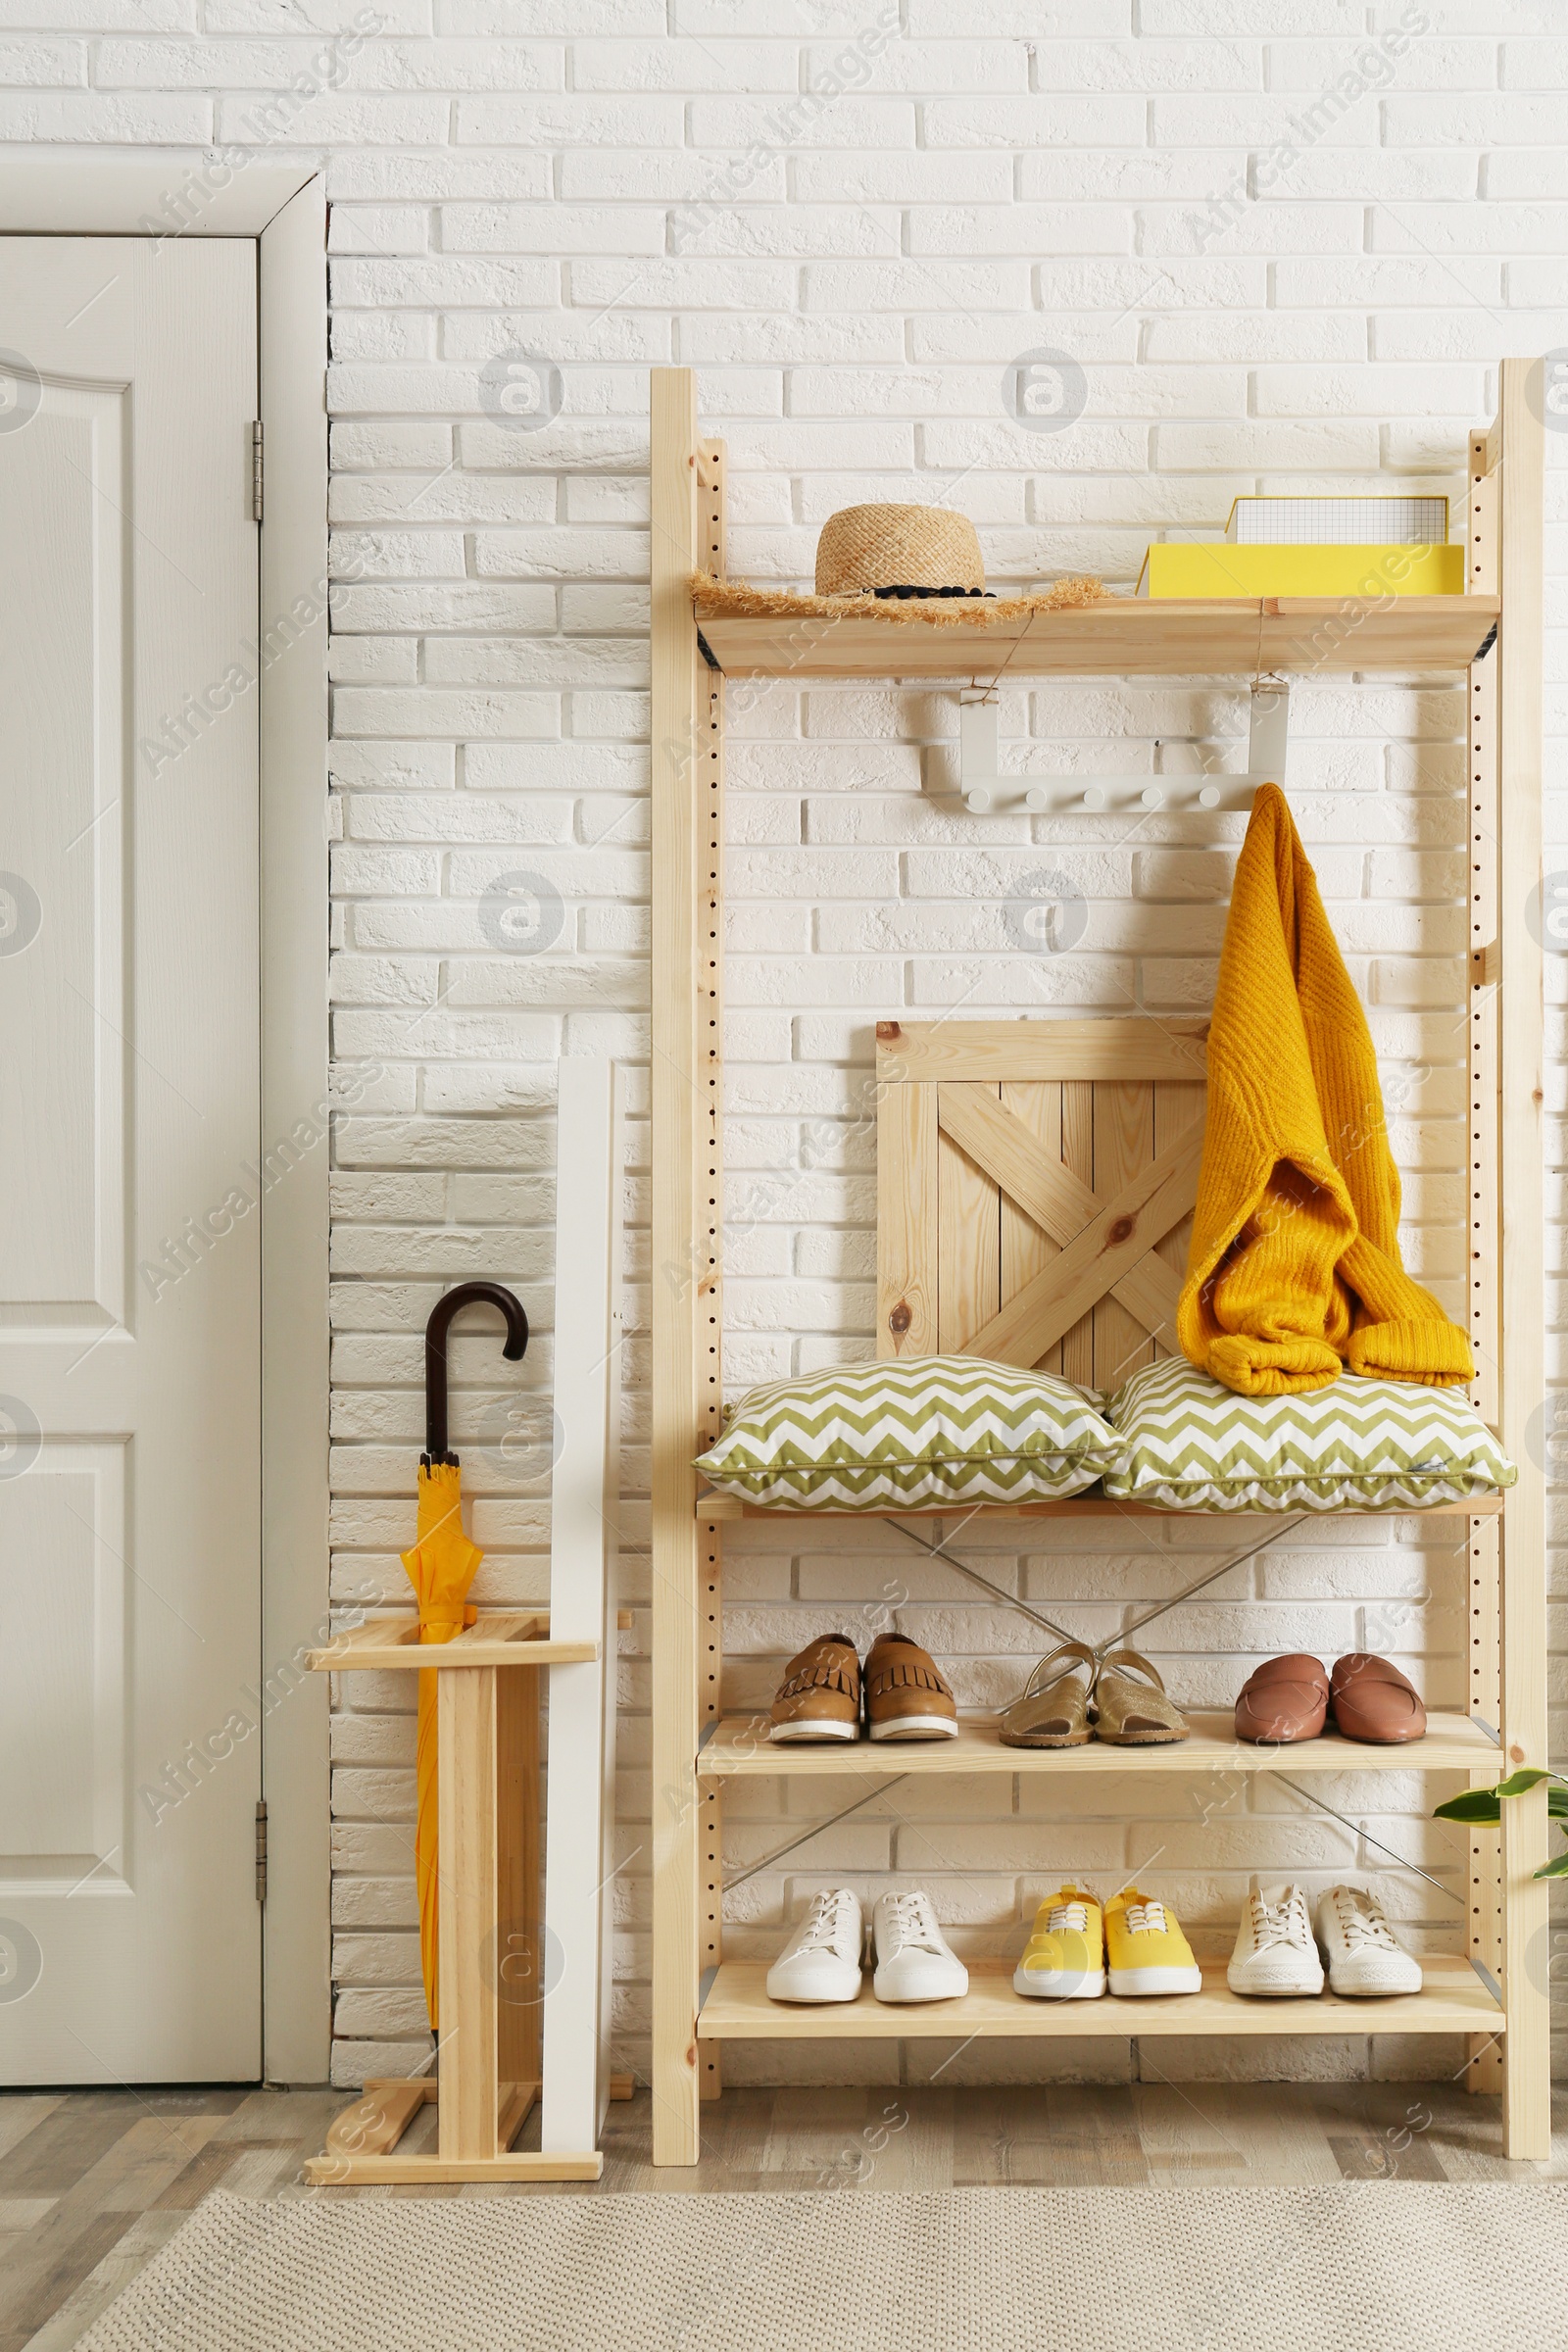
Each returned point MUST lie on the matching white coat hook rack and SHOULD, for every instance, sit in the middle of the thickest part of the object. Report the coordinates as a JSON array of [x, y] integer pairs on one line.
[[984, 791]]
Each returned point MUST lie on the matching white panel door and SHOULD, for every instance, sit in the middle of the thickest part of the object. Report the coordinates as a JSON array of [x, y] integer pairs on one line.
[[129, 1248]]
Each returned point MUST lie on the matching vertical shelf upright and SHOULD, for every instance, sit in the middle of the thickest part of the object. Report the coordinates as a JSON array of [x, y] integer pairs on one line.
[[687, 532], [1516, 454]]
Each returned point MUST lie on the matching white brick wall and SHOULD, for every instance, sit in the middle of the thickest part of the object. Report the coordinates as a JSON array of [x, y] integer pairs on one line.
[[1285, 260]]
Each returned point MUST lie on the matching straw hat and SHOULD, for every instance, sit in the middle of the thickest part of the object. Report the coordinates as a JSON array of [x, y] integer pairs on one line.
[[898, 551]]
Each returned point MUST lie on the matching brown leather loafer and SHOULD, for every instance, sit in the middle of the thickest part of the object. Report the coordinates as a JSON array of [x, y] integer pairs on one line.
[[1286, 1699], [820, 1698], [907, 1696], [1373, 1702]]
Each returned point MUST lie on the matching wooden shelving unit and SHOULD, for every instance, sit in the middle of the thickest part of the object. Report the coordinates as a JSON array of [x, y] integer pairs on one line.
[[1493, 632]]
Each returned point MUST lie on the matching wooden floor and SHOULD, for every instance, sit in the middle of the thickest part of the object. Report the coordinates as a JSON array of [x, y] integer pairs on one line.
[[94, 2183]]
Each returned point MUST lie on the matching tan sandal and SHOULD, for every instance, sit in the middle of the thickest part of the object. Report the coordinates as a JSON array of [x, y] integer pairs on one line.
[[1134, 1712], [1053, 1708]]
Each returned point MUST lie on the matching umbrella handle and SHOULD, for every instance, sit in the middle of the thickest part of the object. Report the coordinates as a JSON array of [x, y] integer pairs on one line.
[[466, 1293]]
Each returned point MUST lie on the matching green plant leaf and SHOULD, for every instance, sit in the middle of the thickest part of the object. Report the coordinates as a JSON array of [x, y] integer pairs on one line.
[[1475, 1804], [1530, 1775], [1557, 1803], [1557, 1868]]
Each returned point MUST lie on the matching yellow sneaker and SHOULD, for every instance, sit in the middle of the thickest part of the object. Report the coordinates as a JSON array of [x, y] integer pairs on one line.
[[1148, 1953], [1064, 1958]]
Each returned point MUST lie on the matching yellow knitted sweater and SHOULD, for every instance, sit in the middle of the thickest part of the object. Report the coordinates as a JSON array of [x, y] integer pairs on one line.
[[1293, 1271]]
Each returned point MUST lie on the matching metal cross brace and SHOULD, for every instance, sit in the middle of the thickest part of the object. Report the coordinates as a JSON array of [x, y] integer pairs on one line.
[[939, 1552], [1362, 1830], [740, 1877]]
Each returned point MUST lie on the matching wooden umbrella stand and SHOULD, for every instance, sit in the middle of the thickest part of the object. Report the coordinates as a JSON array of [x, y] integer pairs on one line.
[[524, 2007], [494, 1973]]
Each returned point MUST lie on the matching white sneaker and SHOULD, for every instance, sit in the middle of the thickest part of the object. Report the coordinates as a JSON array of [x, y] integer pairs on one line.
[[821, 1962], [915, 1962], [1359, 1945], [1274, 1948]]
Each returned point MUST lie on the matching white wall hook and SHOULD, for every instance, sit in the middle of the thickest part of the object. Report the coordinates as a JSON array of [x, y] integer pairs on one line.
[[977, 749], [1268, 729]]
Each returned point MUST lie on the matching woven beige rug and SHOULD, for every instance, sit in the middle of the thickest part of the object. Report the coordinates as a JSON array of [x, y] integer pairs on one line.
[[1363, 2266]]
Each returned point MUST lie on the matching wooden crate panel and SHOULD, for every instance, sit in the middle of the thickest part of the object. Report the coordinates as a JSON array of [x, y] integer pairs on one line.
[[1034, 1189]]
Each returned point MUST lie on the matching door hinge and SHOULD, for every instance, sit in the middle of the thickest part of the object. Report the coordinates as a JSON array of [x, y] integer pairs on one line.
[[256, 471], [260, 1849]]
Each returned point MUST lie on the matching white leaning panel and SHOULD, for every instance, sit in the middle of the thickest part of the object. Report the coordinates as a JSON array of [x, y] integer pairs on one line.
[[580, 1815]]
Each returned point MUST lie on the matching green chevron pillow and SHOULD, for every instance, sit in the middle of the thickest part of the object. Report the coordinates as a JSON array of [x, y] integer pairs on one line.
[[931, 1429], [1357, 1445]]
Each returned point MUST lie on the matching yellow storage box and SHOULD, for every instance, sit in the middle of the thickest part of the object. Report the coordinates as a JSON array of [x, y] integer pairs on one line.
[[1220, 569]]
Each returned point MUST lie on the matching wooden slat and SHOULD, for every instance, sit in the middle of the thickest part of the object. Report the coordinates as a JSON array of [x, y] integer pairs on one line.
[[906, 1220], [1178, 1109], [1125, 1144], [503, 1626], [1525, 1844], [376, 2123], [1453, 2000], [1107, 1249], [412, 2172], [1078, 1159], [395, 1655], [1185, 637], [516, 2101], [975, 1050], [518, 1953], [469, 2110], [998, 1142], [1057, 1201], [1027, 1245], [377, 1632], [968, 1246]]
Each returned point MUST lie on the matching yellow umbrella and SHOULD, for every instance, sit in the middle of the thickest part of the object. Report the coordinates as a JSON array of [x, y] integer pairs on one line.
[[441, 1568]]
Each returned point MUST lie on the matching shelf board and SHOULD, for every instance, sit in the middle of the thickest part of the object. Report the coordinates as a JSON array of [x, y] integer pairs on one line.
[[712, 1509], [1122, 637], [740, 1749], [1453, 2000]]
